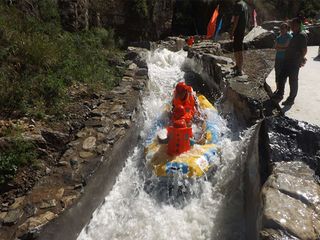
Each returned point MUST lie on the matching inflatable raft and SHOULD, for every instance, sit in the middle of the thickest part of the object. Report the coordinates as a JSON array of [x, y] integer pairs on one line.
[[196, 162]]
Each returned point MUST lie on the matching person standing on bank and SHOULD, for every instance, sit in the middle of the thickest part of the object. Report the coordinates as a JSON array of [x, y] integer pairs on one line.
[[240, 20], [282, 43], [294, 59]]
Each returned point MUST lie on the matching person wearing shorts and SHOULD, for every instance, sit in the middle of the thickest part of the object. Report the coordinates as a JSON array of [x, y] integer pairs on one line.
[[240, 20]]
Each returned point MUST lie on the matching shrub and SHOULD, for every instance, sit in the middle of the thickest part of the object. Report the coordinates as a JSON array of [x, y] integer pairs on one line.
[[38, 60], [19, 154]]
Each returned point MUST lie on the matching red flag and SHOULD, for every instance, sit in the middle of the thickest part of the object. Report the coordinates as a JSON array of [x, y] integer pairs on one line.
[[255, 18], [212, 24]]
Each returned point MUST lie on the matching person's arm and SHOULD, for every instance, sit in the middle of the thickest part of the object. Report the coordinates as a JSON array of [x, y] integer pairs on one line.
[[304, 50]]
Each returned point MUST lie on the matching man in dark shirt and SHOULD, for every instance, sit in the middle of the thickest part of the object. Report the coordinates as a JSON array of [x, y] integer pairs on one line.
[[240, 20], [294, 59]]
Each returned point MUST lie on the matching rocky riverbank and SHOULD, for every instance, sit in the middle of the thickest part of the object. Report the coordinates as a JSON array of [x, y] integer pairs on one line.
[[69, 157]]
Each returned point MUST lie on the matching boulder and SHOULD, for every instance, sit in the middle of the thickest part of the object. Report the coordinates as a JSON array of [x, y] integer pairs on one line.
[[89, 143], [55, 139], [290, 199], [271, 25], [290, 140], [35, 222], [284, 212], [260, 38], [12, 217]]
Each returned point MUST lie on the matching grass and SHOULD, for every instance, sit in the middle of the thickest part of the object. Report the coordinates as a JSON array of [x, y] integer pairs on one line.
[[20, 153], [39, 61]]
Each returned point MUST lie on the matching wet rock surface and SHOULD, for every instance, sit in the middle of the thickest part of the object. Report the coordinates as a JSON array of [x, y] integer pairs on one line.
[[291, 192], [291, 200], [291, 140]]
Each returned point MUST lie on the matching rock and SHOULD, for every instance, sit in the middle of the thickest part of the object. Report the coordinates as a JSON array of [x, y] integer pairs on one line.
[[132, 54], [35, 222], [114, 135], [37, 140], [55, 139], [86, 155], [271, 234], [17, 203], [217, 59], [179, 43], [271, 25], [93, 123], [100, 136], [260, 38], [63, 164], [116, 109], [143, 44], [82, 133], [122, 123], [289, 140], [96, 113], [297, 182], [104, 129], [132, 66], [12, 217], [2, 216], [30, 210], [129, 73], [48, 171], [102, 148], [68, 200], [74, 163], [48, 204], [89, 143], [288, 214], [78, 186], [128, 79], [142, 72]]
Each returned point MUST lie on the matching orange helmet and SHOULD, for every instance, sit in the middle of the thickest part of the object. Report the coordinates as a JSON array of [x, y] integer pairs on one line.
[[181, 87]]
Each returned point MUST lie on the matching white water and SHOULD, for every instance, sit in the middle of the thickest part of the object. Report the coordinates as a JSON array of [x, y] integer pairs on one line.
[[129, 212]]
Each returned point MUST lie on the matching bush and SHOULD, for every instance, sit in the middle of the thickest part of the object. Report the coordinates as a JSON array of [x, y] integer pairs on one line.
[[19, 154], [39, 61]]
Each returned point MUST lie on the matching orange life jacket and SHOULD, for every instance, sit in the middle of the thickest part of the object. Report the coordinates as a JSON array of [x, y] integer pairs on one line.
[[188, 103], [178, 140]]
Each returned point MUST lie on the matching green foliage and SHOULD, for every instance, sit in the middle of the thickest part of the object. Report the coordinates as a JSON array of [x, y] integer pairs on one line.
[[19, 154], [140, 8], [39, 61]]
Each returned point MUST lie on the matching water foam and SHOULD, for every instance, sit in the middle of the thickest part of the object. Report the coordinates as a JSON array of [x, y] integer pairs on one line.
[[129, 212]]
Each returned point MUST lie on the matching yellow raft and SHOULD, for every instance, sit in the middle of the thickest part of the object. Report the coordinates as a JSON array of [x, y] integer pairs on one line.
[[195, 163]]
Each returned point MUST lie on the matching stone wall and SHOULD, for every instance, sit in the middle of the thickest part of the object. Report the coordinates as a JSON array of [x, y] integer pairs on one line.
[[240, 96]]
